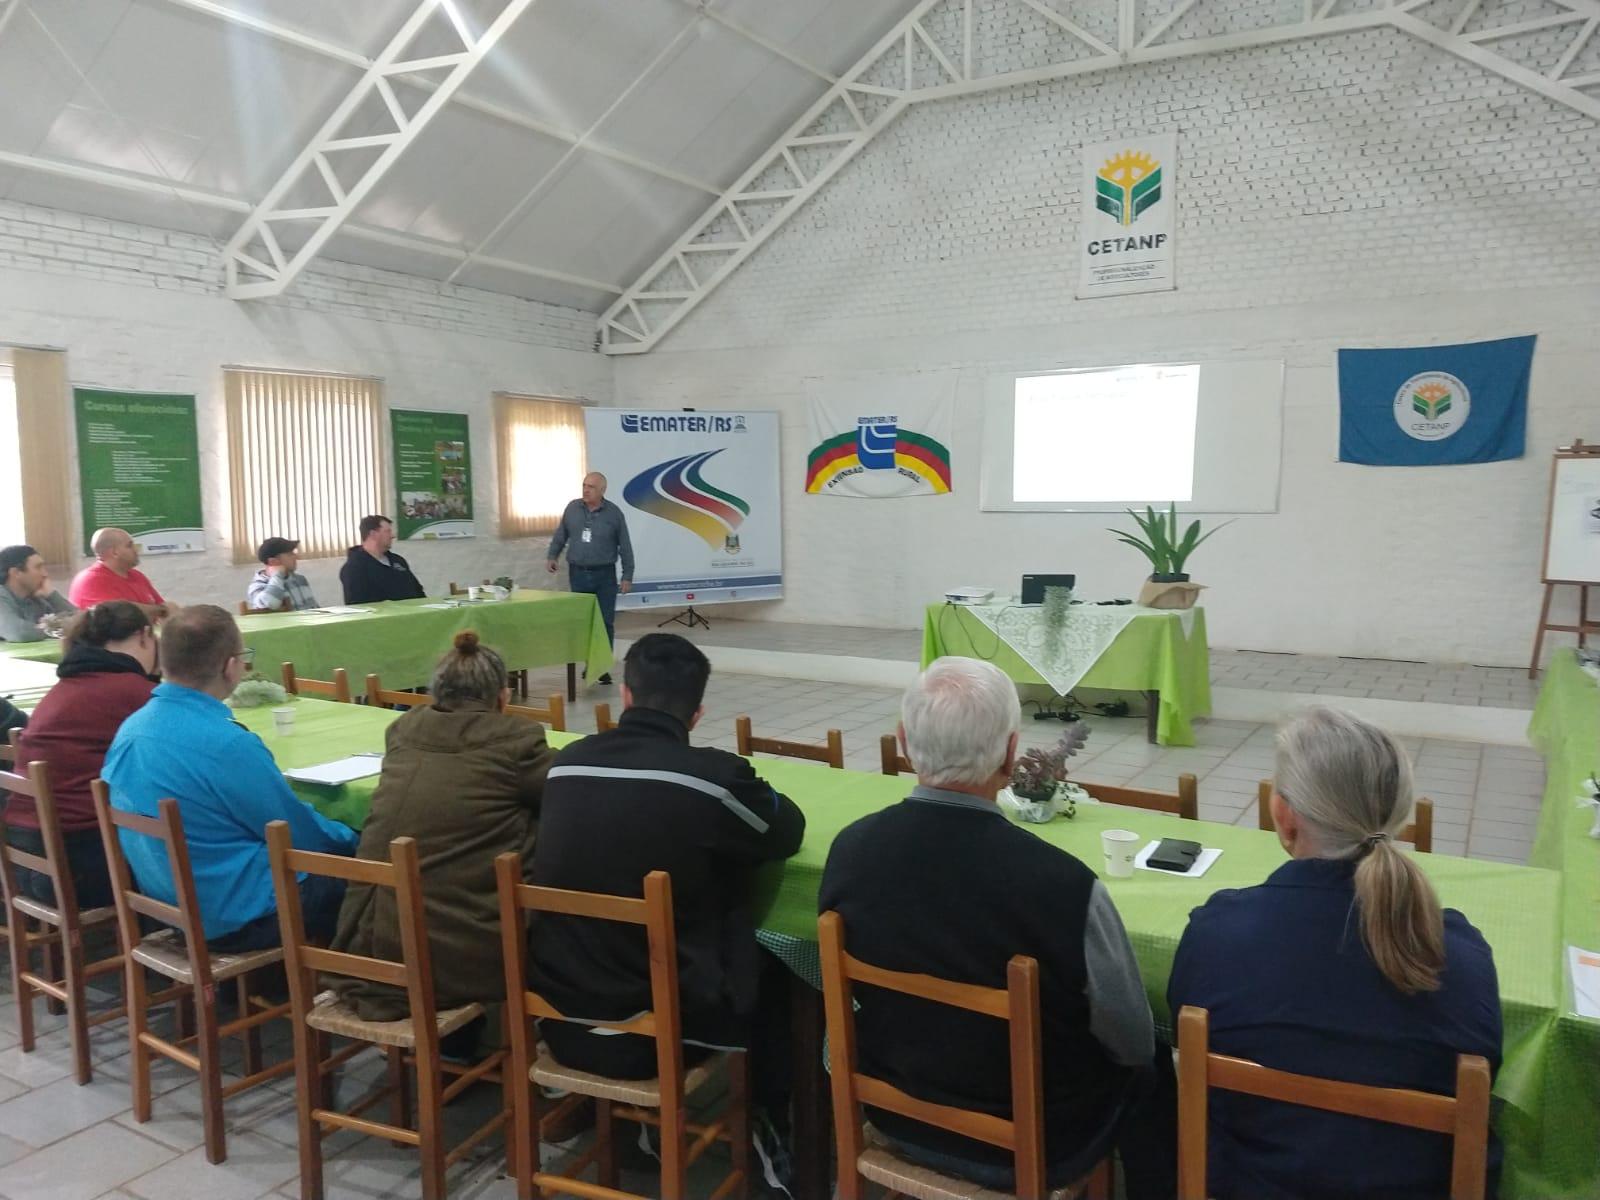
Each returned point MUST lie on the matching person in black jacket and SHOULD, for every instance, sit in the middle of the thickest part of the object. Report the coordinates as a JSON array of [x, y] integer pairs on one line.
[[943, 884], [640, 798], [373, 572]]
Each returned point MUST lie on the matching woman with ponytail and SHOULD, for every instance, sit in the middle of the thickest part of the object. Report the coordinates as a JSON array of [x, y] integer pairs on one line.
[[464, 778], [106, 674], [1341, 965]]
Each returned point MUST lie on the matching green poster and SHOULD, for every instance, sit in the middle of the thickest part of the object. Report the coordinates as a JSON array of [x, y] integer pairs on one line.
[[139, 468], [433, 474]]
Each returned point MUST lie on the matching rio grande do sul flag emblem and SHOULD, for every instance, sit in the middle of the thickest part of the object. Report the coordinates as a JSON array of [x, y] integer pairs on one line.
[[1127, 226], [881, 437]]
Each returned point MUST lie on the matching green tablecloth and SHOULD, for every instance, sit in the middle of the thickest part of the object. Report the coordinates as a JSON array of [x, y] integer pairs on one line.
[[402, 640], [1548, 1116], [1151, 654], [1566, 730]]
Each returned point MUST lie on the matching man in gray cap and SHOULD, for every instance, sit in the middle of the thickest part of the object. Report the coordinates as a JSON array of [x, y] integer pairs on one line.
[[277, 586]]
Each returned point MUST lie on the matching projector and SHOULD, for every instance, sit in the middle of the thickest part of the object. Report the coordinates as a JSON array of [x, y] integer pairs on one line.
[[969, 595]]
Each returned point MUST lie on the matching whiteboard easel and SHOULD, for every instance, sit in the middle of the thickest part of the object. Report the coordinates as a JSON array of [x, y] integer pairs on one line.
[[1571, 540]]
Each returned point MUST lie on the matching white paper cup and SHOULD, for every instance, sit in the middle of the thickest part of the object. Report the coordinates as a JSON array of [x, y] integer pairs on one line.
[[1120, 845], [283, 720]]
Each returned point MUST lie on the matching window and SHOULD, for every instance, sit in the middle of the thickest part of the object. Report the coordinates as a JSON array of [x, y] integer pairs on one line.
[[306, 458], [540, 443], [11, 523]]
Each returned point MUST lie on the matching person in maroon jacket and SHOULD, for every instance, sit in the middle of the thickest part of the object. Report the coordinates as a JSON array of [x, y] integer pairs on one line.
[[106, 675]]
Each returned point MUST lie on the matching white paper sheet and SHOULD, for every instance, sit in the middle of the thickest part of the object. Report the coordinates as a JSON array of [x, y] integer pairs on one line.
[[339, 610], [1585, 968], [340, 770], [1196, 869]]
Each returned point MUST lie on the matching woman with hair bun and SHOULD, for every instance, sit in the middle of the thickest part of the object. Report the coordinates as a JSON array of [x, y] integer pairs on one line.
[[1341, 965], [106, 675], [464, 778]]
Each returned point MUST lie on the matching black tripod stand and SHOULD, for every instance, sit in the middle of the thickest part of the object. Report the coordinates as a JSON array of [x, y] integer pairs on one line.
[[687, 617]]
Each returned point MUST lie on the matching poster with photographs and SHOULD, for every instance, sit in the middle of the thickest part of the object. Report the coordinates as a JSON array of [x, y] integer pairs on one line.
[[432, 474]]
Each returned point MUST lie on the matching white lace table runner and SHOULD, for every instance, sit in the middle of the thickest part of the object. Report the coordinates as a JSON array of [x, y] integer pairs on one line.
[[1063, 659]]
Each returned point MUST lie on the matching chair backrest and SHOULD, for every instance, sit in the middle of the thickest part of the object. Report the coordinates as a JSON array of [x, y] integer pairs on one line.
[[413, 974], [894, 763], [457, 590], [832, 753], [246, 611], [663, 1021], [337, 688], [1017, 1004], [602, 718], [380, 695], [553, 712], [1464, 1116], [1419, 832], [1185, 802], [35, 785], [132, 903]]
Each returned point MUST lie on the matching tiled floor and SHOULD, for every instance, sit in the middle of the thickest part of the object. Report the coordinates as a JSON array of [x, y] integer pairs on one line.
[[62, 1142]]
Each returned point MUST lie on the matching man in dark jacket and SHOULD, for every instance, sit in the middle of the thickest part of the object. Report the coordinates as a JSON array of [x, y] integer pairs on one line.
[[373, 572], [640, 798], [943, 884]]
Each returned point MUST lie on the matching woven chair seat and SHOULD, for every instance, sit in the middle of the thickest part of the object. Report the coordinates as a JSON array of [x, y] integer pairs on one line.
[[645, 1093], [52, 916], [882, 1165], [330, 1015], [164, 953]]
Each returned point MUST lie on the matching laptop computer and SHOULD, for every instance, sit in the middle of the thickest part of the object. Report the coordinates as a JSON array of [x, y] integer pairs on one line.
[[1033, 586]]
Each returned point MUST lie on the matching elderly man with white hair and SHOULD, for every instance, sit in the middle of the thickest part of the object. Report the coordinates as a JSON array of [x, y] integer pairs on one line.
[[943, 884]]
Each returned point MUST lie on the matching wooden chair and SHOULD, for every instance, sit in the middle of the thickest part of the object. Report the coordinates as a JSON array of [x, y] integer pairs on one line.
[[659, 1101], [863, 1153], [553, 712], [61, 936], [894, 763], [337, 689], [246, 611], [748, 744], [602, 718], [412, 1041], [1464, 1116], [1185, 802], [179, 953], [1419, 832], [518, 678], [388, 698]]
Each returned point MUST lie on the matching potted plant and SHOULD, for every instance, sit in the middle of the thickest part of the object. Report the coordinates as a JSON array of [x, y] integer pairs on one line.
[[1039, 786], [1168, 552]]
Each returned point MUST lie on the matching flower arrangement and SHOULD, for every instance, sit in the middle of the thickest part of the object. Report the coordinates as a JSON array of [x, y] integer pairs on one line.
[[505, 581], [256, 690], [1039, 786], [1167, 551]]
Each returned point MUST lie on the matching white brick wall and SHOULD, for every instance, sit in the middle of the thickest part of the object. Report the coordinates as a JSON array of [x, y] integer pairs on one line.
[[143, 309], [1356, 190], [44, 239]]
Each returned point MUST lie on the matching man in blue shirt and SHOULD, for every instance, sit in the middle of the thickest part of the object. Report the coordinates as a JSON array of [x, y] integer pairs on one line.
[[594, 533], [185, 744]]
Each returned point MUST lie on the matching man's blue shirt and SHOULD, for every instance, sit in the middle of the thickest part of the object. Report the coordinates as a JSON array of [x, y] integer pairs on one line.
[[186, 745]]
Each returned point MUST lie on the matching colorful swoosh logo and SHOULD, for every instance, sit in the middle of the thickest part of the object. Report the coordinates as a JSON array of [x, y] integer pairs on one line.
[[676, 491]]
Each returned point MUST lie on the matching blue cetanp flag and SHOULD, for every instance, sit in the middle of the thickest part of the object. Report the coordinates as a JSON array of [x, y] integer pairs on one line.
[[1434, 405]]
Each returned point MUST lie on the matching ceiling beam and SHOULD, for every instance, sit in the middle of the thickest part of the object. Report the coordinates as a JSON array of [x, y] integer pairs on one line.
[[130, 181], [255, 260], [326, 49], [703, 7]]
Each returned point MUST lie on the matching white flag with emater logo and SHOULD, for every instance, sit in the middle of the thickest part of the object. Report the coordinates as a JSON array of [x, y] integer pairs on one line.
[[1127, 229]]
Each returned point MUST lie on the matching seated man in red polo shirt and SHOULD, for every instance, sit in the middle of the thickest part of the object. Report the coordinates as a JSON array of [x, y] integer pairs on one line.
[[115, 575]]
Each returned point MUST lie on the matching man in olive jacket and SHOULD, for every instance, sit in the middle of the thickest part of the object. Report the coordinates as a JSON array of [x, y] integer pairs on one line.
[[464, 778]]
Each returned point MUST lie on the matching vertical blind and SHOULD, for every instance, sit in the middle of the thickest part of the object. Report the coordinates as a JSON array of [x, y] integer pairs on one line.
[[540, 444], [306, 458], [43, 410]]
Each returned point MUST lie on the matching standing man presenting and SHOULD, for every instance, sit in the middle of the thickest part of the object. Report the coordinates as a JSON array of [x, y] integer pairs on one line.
[[595, 534]]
